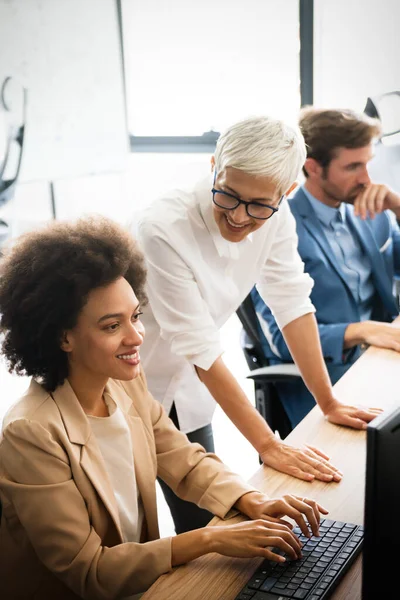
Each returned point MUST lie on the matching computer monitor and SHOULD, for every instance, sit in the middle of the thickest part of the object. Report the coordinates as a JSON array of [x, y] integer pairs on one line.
[[381, 549]]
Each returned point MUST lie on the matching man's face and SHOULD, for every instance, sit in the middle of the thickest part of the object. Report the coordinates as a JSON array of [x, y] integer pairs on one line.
[[236, 224], [346, 175]]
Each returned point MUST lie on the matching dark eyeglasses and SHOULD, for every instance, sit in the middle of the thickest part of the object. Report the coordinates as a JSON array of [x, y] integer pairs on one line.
[[256, 210]]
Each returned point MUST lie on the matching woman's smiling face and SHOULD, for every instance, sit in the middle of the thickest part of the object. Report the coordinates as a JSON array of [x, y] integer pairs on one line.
[[106, 339], [235, 225]]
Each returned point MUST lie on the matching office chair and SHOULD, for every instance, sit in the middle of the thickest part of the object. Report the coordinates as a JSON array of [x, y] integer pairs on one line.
[[15, 137], [262, 373], [385, 166]]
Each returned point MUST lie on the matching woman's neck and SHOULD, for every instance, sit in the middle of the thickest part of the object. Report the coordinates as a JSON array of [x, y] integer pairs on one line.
[[90, 393]]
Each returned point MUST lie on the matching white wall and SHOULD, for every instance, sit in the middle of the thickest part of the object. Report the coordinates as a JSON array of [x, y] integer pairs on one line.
[[67, 54], [356, 55], [356, 51], [201, 64]]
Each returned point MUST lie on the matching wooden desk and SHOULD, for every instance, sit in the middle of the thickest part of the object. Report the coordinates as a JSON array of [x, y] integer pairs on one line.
[[373, 381]]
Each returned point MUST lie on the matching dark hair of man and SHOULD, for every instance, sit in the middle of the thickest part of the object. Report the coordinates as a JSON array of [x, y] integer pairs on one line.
[[327, 130], [45, 281]]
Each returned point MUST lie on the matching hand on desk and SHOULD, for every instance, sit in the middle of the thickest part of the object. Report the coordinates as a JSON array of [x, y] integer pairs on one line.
[[306, 463], [351, 416], [373, 333]]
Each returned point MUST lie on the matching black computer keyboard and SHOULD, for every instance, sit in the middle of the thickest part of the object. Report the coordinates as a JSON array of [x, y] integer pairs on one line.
[[314, 576]]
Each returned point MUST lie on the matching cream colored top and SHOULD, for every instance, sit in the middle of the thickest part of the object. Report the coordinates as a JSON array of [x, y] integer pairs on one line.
[[114, 440]]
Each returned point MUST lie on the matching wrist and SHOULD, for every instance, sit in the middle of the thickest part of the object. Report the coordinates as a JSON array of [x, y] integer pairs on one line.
[[396, 211], [269, 443], [327, 403], [248, 503], [355, 334], [394, 203], [192, 544], [213, 539], [207, 541]]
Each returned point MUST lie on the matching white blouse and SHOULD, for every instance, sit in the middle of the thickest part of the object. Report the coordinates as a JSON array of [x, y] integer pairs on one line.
[[197, 280]]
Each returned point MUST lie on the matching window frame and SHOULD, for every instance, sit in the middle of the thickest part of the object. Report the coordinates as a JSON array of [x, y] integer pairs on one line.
[[206, 142]]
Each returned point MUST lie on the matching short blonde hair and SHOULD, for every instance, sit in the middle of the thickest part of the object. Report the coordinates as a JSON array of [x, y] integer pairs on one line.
[[263, 146]]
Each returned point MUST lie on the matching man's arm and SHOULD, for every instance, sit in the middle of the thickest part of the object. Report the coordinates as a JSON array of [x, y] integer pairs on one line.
[[375, 199], [331, 335], [307, 464], [373, 333], [335, 338], [302, 338]]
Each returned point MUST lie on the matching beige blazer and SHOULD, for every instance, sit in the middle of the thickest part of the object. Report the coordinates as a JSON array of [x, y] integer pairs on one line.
[[60, 537]]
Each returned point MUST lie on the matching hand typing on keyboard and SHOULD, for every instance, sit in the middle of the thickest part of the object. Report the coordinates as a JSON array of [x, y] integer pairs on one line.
[[258, 506], [323, 562], [256, 538], [268, 535]]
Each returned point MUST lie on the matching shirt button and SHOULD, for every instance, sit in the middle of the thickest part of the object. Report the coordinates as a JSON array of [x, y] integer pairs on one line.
[[338, 234]]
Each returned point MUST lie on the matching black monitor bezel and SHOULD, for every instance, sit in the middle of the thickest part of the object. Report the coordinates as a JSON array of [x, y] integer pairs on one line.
[[378, 516]]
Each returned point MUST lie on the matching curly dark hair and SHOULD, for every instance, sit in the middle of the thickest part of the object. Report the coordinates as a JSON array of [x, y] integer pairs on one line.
[[45, 280]]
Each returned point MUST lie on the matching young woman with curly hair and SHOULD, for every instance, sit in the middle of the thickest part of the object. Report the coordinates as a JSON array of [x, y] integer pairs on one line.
[[81, 450]]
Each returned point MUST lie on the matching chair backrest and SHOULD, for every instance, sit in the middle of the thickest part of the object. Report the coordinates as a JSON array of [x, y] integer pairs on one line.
[[10, 161], [250, 339], [386, 108], [267, 399], [16, 135], [385, 166]]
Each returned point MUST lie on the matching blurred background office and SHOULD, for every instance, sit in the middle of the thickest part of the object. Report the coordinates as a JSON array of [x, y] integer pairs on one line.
[[124, 95], [125, 99]]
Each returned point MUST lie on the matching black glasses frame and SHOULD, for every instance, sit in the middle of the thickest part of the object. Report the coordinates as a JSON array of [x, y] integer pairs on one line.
[[246, 204]]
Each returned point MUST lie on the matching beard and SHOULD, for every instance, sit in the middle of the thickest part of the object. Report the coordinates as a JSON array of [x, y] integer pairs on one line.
[[336, 194], [352, 195]]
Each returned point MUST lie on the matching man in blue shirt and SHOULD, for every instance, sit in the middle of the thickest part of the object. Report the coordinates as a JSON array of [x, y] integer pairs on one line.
[[349, 242]]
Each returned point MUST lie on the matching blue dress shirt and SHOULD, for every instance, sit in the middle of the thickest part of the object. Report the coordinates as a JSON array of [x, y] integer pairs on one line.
[[335, 265], [348, 251]]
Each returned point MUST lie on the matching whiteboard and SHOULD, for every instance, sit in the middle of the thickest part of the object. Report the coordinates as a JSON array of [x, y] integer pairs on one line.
[[67, 53]]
